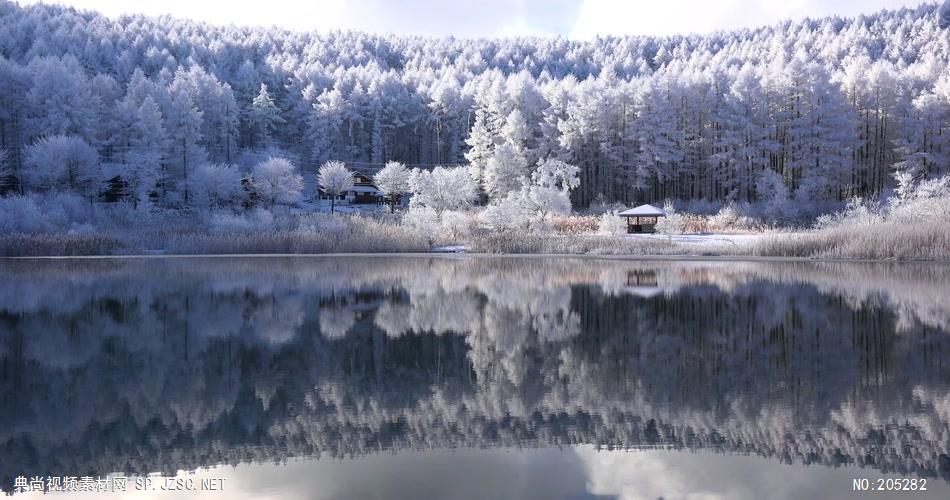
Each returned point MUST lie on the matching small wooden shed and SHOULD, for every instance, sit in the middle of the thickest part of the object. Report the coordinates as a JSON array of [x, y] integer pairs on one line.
[[642, 219]]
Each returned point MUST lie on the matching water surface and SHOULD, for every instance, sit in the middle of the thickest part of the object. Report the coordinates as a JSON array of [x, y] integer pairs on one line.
[[478, 377]]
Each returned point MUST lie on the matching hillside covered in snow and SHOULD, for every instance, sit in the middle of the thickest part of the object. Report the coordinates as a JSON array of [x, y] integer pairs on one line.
[[824, 109]]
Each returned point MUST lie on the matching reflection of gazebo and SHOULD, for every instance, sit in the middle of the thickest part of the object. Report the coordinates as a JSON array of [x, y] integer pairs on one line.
[[642, 219], [642, 283]]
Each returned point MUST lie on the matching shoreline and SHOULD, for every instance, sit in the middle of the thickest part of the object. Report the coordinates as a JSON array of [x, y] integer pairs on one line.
[[884, 242], [460, 255]]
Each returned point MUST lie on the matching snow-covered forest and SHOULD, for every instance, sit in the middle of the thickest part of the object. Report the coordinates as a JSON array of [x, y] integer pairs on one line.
[[144, 365], [168, 114], [829, 107]]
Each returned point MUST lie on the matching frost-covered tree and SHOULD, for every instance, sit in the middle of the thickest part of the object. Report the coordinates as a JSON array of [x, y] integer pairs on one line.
[[611, 224], [773, 192], [556, 174], [219, 113], [833, 106], [481, 145], [277, 182], [549, 192], [505, 171], [454, 224], [144, 140], [60, 98], [215, 185], [264, 117], [507, 214], [335, 179], [923, 147], [423, 220], [63, 162], [672, 223], [442, 188], [393, 181], [183, 126], [517, 132]]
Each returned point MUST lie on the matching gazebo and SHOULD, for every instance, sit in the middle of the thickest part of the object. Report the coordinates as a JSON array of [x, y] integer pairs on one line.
[[642, 219]]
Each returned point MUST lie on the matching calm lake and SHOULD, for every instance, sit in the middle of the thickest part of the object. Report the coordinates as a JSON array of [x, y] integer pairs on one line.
[[476, 377]]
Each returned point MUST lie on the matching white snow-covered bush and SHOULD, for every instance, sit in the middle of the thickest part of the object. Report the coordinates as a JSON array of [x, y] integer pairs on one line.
[[509, 213], [43, 213], [442, 188], [671, 224], [726, 217], [773, 194], [322, 222], [276, 182], [258, 219], [729, 218], [423, 220], [912, 203], [923, 201], [63, 162], [611, 224], [531, 207], [550, 191], [216, 185], [455, 224], [858, 213], [20, 214]]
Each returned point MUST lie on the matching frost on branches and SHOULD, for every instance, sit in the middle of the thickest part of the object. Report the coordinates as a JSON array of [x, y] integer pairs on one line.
[[786, 122], [393, 182], [63, 163], [672, 223], [612, 224], [276, 182], [546, 194], [442, 188], [217, 186], [334, 179]]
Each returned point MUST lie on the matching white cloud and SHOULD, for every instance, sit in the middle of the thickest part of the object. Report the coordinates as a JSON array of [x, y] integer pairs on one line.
[[703, 16]]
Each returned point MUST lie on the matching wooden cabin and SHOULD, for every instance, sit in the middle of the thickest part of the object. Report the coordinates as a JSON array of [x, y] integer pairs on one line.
[[363, 192], [642, 219]]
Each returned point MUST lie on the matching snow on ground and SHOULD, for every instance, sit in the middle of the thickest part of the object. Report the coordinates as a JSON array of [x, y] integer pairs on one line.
[[703, 238], [323, 206], [450, 249]]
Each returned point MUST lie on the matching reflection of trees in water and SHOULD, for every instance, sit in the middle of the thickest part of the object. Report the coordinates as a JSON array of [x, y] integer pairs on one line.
[[176, 363]]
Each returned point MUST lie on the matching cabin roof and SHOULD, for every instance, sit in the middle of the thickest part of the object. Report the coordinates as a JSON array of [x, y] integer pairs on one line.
[[356, 189], [361, 178], [643, 211]]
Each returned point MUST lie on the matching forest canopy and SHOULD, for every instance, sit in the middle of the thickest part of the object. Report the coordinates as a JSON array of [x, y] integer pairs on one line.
[[817, 110]]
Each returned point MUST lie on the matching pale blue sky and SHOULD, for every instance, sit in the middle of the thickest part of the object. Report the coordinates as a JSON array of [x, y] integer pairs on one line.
[[573, 18]]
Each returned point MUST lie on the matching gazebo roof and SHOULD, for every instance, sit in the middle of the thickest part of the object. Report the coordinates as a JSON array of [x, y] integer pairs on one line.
[[643, 211]]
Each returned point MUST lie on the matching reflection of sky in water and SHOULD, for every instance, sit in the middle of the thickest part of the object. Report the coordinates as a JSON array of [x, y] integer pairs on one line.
[[749, 370], [578, 473]]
